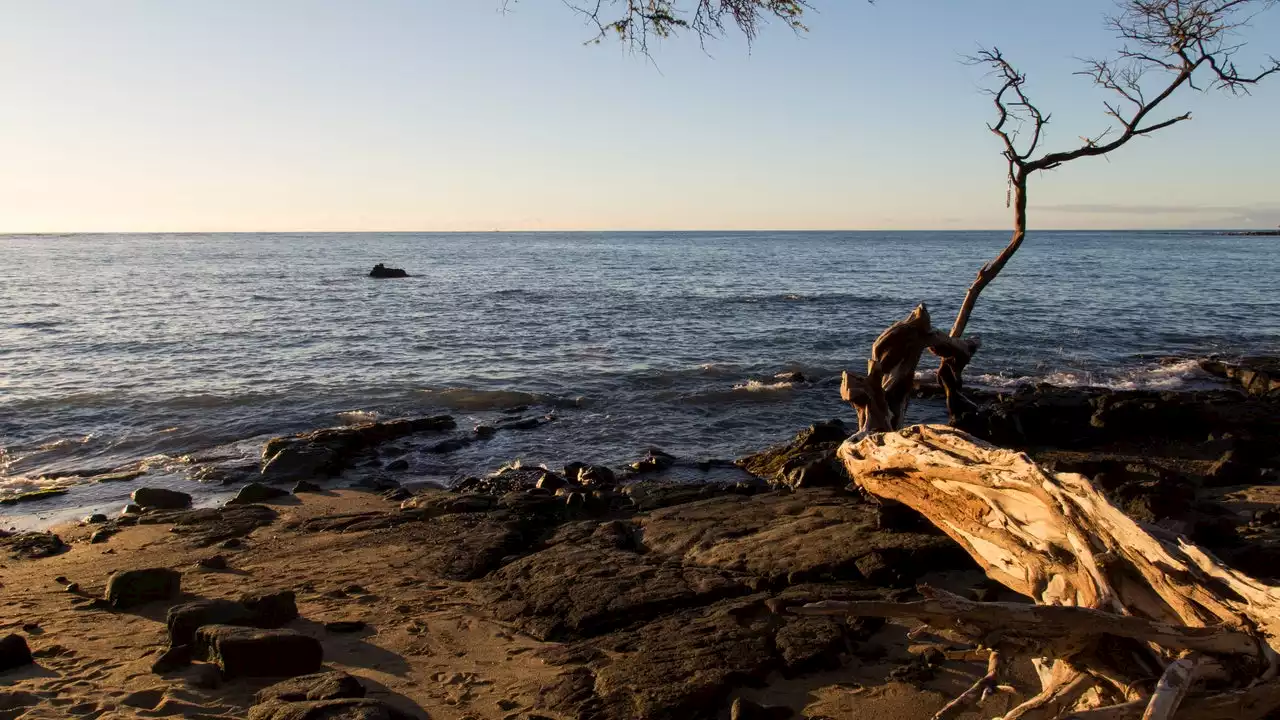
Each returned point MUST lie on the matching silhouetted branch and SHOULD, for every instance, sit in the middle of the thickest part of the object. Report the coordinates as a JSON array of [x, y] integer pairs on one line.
[[635, 21]]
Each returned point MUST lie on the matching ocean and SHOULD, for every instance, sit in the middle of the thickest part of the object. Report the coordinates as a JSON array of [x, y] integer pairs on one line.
[[134, 350]]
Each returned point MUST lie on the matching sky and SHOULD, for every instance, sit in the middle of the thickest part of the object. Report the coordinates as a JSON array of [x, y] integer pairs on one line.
[[443, 115]]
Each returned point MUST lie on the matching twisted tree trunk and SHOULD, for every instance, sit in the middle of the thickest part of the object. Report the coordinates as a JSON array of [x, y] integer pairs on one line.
[[1118, 604]]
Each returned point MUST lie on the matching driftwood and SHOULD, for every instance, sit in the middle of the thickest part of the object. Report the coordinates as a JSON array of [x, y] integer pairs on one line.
[[881, 396], [1127, 615]]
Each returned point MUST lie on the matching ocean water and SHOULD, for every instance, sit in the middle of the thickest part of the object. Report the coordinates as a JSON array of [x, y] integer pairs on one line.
[[134, 350]]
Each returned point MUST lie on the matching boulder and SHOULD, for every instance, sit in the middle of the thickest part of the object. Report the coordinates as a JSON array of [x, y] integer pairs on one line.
[[14, 652], [272, 609], [597, 476], [160, 499], [33, 545], [256, 492], [128, 588], [333, 685], [251, 652], [33, 495], [342, 709], [807, 461], [306, 486], [382, 271], [1257, 375], [330, 450], [184, 620], [655, 460], [94, 519]]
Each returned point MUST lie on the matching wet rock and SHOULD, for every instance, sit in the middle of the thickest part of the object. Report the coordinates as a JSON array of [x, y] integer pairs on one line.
[[1257, 375], [807, 461], [398, 465], [331, 685], [14, 653], [250, 652], [129, 588], [794, 376], [255, 493], [594, 476], [552, 482], [273, 609], [31, 496], [485, 431], [744, 709], [450, 445], [306, 486], [160, 499], [382, 271], [343, 709], [328, 451], [123, 476], [177, 656], [33, 546], [655, 460]]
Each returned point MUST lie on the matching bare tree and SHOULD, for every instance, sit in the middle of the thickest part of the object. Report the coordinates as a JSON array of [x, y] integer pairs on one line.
[[635, 21], [1167, 45]]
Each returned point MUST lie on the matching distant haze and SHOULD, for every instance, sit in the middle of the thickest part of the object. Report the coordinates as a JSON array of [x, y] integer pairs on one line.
[[261, 115]]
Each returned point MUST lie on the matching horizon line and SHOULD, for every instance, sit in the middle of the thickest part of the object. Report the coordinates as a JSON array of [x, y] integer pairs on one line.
[[8, 233]]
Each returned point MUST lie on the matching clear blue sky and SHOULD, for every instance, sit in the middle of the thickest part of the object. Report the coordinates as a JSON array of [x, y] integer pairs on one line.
[[450, 115]]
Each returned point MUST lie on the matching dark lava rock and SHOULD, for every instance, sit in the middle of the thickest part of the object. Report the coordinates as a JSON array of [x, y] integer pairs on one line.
[[345, 626], [33, 546], [1257, 375], [256, 492], [328, 451], [331, 685], [807, 461], [744, 709], [306, 486], [342, 709], [216, 562], [209, 526], [610, 589], [160, 499], [250, 652], [177, 656], [14, 653], [382, 271], [184, 620], [128, 588], [797, 537], [597, 476], [273, 609], [655, 460]]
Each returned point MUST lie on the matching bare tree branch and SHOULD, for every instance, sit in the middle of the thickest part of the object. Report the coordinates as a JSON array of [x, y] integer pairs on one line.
[[634, 22]]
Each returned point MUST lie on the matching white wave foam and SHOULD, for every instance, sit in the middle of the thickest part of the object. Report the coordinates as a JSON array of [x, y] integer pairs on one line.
[[757, 386], [1177, 375], [355, 417]]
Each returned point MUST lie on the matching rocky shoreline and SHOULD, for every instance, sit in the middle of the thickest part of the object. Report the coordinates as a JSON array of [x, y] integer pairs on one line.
[[582, 592]]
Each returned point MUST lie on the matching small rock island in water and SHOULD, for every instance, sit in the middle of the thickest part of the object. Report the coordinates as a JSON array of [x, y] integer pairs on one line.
[[382, 271]]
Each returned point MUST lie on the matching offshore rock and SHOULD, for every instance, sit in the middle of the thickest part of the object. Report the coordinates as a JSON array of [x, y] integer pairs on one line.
[[382, 271], [329, 451]]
